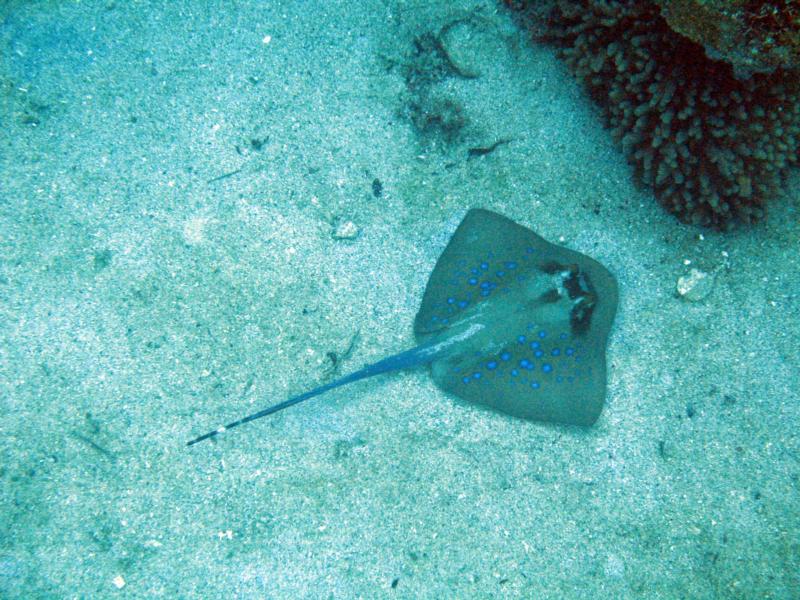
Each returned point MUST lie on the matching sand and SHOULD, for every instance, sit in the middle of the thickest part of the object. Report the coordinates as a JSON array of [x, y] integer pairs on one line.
[[174, 176]]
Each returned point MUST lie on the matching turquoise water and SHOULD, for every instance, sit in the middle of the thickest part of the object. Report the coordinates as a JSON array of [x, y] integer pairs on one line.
[[206, 208]]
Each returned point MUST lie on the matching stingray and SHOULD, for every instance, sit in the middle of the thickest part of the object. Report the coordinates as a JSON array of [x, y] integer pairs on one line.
[[508, 321]]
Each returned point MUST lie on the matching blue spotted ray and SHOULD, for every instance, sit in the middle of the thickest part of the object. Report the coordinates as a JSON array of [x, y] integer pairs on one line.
[[508, 321]]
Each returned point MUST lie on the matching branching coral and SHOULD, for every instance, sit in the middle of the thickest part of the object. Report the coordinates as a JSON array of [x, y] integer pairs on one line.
[[712, 146]]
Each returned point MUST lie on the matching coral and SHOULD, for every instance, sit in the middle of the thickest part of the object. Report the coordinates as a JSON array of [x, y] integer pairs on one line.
[[752, 35], [713, 147]]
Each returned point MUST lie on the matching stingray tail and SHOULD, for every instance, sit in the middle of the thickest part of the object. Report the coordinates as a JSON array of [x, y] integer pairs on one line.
[[414, 357]]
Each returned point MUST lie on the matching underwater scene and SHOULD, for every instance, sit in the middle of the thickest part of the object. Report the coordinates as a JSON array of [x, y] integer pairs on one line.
[[400, 299]]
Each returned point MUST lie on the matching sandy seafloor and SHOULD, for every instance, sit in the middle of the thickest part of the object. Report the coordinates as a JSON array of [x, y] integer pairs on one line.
[[142, 304]]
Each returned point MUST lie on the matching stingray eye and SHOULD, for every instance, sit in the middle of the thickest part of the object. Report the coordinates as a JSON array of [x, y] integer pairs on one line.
[[576, 283], [550, 296], [582, 291], [580, 317]]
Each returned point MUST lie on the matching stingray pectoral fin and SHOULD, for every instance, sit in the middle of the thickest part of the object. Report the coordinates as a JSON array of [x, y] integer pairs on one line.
[[546, 312], [570, 391]]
